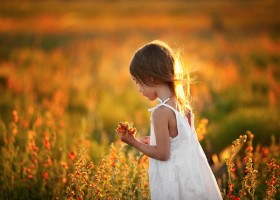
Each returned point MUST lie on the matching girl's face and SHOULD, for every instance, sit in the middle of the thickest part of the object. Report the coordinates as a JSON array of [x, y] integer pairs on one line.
[[147, 91]]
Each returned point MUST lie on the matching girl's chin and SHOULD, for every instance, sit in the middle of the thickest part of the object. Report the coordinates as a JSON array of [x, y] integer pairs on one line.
[[152, 99]]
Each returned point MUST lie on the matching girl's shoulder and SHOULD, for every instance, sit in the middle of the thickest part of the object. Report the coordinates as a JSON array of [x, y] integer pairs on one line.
[[163, 113]]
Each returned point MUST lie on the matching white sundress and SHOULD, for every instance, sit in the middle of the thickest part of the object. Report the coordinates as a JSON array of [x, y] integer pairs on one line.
[[186, 175]]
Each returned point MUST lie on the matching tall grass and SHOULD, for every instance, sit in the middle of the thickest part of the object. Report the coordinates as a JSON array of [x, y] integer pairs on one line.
[[256, 176], [37, 164], [34, 158]]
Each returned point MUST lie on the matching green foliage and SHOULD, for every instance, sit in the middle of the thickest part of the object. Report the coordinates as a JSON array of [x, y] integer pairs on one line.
[[259, 120]]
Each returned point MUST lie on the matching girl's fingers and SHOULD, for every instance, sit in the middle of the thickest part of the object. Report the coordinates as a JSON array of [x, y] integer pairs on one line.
[[126, 137]]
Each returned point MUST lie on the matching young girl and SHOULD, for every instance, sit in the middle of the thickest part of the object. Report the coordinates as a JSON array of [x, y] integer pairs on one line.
[[178, 168]]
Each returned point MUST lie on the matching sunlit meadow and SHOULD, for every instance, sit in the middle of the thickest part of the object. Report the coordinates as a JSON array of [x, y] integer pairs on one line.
[[65, 86]]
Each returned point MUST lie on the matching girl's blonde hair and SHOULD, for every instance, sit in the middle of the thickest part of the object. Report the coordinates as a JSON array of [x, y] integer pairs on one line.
[[156, 63]]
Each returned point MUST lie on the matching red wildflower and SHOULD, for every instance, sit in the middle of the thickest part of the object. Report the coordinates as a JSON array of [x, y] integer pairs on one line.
[[233, 169], [15, 116], [90, 166], [264, 151], [249, 148], [47, 143], [45, 175], [72, 155], [35, 148]]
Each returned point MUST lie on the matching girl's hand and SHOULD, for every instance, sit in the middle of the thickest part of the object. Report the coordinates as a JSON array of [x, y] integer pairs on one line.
[[126, 132], [127, 138], [145, 139]]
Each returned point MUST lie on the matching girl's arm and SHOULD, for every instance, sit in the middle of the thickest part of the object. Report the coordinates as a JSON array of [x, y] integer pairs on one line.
[[162, 150]]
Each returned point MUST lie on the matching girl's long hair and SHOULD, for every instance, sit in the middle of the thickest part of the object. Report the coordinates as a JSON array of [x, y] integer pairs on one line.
[[156, 63]]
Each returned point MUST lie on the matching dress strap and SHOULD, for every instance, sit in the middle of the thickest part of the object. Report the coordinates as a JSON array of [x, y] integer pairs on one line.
[[175, 111], [161, 102]]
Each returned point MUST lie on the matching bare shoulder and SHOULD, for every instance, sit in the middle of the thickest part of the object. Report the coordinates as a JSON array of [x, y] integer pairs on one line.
[[162, 113]]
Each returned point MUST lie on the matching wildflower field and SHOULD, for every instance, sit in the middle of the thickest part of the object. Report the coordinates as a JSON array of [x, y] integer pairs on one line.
[[65, 86]]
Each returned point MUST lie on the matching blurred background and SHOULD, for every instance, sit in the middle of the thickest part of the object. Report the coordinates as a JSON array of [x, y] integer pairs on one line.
[[65, 64]]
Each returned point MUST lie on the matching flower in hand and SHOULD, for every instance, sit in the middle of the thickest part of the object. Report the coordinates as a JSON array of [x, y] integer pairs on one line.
[[126, 131], [126, 128]]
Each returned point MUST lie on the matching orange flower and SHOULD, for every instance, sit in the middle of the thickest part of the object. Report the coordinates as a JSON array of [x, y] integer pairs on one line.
[[64, 165], [15, 131], [38, 122], [31, 134], [126, 127], [15, 115], [64, 180], [249, 149], [90, 166], [264, 151], [72, 193], [35, 148], [49, 162]]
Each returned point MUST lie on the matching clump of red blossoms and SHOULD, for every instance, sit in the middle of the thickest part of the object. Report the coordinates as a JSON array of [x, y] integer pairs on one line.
[[126, 128]]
